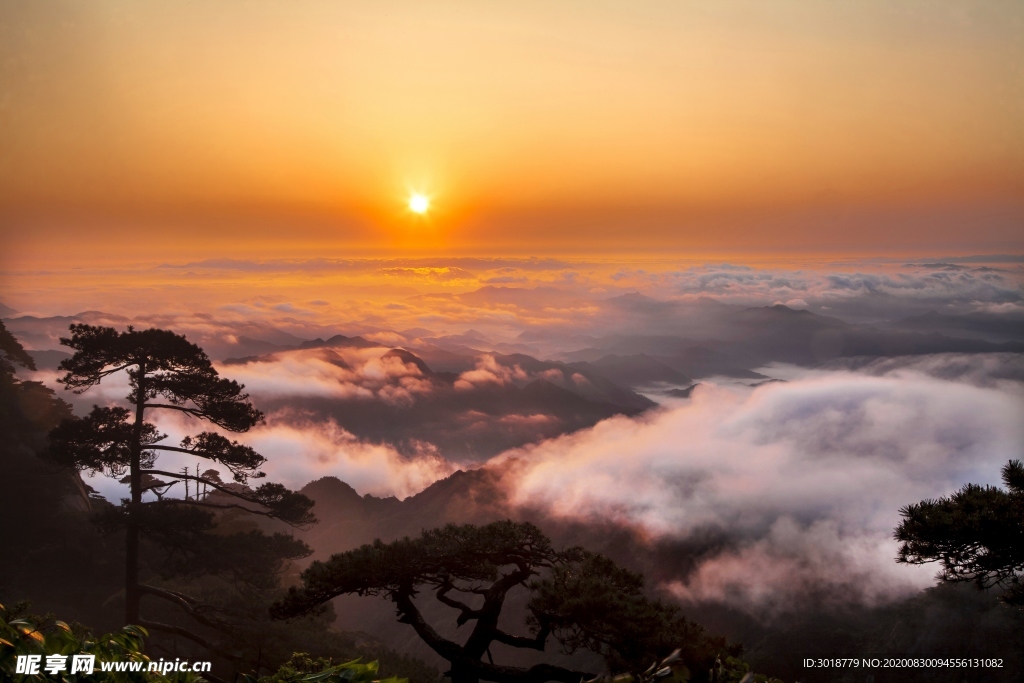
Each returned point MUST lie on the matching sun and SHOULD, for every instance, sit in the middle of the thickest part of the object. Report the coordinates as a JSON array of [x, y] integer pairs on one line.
[[419, 203]]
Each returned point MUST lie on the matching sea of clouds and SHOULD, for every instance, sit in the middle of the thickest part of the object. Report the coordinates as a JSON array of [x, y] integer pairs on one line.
[[800, 482], [803, 480]]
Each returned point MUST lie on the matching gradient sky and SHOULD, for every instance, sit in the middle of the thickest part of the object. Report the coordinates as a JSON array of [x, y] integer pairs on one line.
[[143, 131]]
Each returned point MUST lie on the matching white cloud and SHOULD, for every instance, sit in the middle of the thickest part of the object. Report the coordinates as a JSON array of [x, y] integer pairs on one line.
[[804, 478], [489, 371], [300, 452], [329, 373]]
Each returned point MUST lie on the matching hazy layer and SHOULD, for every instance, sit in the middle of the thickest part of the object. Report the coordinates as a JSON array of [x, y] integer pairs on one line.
[[798, 482]]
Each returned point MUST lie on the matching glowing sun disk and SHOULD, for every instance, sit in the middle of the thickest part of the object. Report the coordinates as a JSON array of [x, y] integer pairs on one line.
[[419, 203]]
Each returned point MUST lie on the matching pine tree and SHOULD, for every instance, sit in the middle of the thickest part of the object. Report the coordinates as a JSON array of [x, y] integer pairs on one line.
[[168, 373], [579, 600], [977, 534]]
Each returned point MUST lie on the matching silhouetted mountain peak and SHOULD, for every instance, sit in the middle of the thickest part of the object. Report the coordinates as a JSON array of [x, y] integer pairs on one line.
[[48, 360], [460, 484], [407, 357], [783, 308], [338, 340], [548, 395], [330, 487], [527, 363], [542, 387], [683, 393], [632, 298], [710, 302]]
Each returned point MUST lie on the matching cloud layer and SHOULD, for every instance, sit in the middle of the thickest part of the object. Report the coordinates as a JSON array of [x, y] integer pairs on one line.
[[369, 374], [802, 480], [298, 452], [218, 303], [798, 483]]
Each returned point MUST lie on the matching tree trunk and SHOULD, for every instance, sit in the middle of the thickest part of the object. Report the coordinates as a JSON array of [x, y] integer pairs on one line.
[[132, 596], [463, 674]]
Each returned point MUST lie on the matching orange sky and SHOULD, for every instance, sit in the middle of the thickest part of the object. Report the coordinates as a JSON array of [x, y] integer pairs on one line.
[[272, 128]]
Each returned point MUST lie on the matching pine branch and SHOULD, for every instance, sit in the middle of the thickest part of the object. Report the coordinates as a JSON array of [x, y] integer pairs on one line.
[[535, 643], [466, 612], [409, 614], [303, 522], [190, 605]]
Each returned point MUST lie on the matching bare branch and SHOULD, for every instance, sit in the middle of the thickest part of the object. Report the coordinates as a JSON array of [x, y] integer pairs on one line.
[[157, 447], [241, 496], [190, 605], [409, 614], [535, 643], [213, 484], [195, 503], [194, 412], [178, 631], [466, 612]]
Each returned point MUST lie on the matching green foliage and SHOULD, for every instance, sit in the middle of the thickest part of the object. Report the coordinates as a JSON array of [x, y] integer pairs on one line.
[[23, 635], [977, 534], [301, 668]]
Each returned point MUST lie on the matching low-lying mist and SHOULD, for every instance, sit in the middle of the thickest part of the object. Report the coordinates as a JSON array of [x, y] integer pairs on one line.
[[898, 382]]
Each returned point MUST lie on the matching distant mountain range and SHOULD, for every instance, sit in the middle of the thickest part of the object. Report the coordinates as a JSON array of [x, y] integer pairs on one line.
[[539, 400], [988, 326], [660, 342], [734, 342]]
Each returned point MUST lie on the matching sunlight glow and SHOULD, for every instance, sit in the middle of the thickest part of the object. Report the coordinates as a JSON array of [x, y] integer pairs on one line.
[[419, 203]]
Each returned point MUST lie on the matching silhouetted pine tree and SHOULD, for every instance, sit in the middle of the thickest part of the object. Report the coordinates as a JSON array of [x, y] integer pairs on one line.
[[977, 534], [580, 600], [166, 372]]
